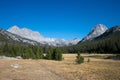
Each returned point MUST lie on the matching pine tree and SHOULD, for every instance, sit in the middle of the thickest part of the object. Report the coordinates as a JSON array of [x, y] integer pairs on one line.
[[79, 59], [26, 54], [31, 54], [1, 50], [15, 50], [5, 49], [57, 54], [39, 54], [49, 54]]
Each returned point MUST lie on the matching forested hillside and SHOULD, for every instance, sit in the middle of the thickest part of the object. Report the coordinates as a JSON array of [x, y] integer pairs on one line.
[[108, 42]]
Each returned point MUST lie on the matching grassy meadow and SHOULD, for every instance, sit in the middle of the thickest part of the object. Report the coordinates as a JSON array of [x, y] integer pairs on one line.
[[97, 69]]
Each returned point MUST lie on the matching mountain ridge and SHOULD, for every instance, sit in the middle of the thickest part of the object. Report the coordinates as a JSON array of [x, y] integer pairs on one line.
[[36, 36]]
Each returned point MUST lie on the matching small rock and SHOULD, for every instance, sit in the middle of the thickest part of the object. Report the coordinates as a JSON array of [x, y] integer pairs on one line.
[[15, 66], [18, 57]]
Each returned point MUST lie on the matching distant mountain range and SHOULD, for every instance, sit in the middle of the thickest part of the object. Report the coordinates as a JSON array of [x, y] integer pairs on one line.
[[24, 35], [27, 36]]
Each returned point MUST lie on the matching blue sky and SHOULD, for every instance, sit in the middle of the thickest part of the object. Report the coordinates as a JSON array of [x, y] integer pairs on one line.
[[59, 18]]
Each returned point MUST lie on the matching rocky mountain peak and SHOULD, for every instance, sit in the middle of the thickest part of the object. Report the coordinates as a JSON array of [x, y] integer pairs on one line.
[[100, 27], [95, 32], [14, 28]]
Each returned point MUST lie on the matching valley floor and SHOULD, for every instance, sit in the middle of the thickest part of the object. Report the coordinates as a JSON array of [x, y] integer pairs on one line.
[[96, 69]]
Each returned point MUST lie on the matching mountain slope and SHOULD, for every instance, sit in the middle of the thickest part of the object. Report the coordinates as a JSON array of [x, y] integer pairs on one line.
[[36, 36], [108, 42], [6, 36], [112, 32], [96, 31]]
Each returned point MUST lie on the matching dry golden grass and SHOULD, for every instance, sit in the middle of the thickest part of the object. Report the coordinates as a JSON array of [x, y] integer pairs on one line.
[[96, 69]]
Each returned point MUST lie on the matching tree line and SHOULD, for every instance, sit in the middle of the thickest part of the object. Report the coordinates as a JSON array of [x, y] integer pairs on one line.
[[30, 52], [105, 45]]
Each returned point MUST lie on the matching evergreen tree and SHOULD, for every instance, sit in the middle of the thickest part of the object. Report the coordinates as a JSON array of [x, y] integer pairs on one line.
[[39, 54], [57, 54], [31, 54], [1, 50], [26, 54], [5, 49], [79, 59], [15, 50], [49, 54]]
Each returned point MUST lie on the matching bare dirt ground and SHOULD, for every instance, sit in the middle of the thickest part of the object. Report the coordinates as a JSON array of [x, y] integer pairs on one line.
[[96, 69]]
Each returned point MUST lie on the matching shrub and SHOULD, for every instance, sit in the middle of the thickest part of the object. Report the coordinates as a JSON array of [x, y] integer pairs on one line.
[[88, 60]]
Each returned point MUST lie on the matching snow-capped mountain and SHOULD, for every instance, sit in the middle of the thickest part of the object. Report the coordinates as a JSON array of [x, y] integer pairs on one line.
[[36, 36], [96, 31]]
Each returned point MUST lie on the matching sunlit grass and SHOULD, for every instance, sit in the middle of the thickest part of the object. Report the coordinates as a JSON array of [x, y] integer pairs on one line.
[[68, 69]]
